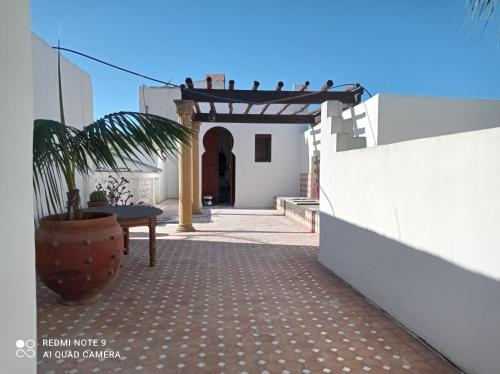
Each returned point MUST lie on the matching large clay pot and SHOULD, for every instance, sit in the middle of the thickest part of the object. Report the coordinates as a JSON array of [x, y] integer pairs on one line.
[[77, 259]]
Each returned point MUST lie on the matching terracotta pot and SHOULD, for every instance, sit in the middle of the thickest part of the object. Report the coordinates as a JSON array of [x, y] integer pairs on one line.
[[93, 204], [77, 259]]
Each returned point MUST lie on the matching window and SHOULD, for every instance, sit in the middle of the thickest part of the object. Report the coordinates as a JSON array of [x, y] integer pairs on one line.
[[262, 147]]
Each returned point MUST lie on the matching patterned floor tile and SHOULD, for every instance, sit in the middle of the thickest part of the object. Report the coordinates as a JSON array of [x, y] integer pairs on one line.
[[243, 294]]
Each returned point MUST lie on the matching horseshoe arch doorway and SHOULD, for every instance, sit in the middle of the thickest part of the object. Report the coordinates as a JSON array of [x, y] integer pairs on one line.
[[218, 166]]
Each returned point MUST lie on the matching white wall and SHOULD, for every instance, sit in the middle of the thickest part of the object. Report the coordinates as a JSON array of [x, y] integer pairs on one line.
[[386, 119], [414, 227], [311, 146], [160, 101], [17, 266], [143, 186], [258, 182], [366, 120], [76, 88]]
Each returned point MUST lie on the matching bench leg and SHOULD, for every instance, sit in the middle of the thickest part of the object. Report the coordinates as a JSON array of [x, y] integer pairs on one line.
[[125, 241], [152, 241]]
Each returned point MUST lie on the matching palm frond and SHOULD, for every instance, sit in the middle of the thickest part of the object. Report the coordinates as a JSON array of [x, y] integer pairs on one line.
[[60, 151], [482, 10], [131, 135], [56, 157]]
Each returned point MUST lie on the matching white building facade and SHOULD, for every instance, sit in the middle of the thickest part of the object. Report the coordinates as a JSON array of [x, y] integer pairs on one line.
[[256, 183]]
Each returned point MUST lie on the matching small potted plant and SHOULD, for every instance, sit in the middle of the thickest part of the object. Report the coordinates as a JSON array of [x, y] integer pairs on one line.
[[97, 198], [118, 192]]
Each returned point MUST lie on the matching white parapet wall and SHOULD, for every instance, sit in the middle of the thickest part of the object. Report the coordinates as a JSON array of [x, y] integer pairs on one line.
[[414, 227], [143, 187], [386, 118], [76, 87], [160, 101]]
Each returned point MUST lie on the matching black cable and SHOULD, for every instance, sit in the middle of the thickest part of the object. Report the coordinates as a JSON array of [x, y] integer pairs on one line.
[[188, 89], [116, 67], [368, 92]]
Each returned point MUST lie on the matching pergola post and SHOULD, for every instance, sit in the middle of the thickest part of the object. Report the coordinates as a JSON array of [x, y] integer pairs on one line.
[[195, 155], [184, 113]]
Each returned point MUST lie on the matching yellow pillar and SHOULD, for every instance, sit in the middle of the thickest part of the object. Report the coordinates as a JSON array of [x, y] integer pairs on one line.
[[184, 113], [195, 156]]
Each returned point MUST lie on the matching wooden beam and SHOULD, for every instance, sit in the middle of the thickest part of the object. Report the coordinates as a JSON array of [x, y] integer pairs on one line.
[[253, 118], [327, 85], [279, 86], [209, 88], [325, 88], [254, 88], [302, 89], [358, 90], [231, 88], [284, 97], [189, 83]]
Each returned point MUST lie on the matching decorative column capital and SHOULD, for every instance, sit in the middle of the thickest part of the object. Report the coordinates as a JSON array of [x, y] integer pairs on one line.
[[184, 107]]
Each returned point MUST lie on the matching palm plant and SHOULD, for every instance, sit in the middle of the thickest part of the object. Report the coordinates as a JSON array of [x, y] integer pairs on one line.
[[61, 151], [482, 10]]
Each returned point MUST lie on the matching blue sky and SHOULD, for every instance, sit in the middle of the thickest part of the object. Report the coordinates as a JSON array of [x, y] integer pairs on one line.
[[418, 47]]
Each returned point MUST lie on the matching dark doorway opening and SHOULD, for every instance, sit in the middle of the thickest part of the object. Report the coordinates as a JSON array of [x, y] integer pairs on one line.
[[218, 166]]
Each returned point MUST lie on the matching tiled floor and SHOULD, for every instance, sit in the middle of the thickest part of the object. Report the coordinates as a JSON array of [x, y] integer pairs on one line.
[[244, 294]]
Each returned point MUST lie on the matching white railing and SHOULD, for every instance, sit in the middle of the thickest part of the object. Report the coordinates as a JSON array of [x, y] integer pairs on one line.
[[142, 186]]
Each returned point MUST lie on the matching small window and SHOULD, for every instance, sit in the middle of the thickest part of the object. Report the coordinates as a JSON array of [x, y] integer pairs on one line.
[[262, 147]]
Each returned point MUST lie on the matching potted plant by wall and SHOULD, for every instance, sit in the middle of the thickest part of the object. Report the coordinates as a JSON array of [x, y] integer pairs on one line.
[[117, 190], [97, 198], [78, 253]]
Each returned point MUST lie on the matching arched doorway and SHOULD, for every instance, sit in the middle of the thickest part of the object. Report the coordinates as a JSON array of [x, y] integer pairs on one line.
[[218, 166]]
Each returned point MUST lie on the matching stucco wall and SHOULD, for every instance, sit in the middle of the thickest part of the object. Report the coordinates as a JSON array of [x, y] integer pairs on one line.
[[142, 186], [386, 119], [160, 101], [366, 120], [311, 146], [17, 266], [258, 182], [76, 88], [414, 227]]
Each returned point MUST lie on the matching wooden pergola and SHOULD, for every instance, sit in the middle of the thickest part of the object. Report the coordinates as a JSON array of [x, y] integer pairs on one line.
[[215, 105], [270, 106]]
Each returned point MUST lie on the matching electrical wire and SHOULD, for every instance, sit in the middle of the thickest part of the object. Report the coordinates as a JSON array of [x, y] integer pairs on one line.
[[368, 92], [115, 66], [277, 101]]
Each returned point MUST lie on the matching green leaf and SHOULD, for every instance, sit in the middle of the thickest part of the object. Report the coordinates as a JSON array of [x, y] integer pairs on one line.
[[60, 151]]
